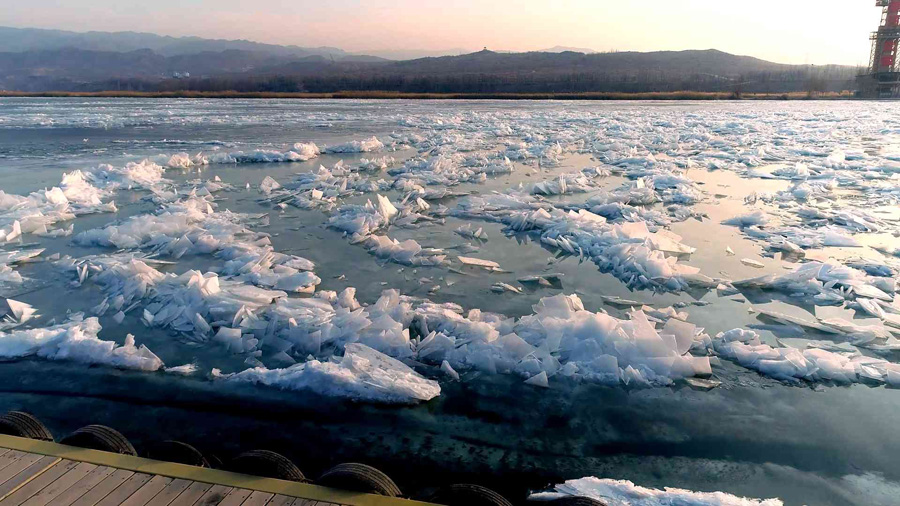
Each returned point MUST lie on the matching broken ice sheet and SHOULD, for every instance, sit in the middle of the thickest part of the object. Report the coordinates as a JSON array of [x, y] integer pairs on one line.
[[626, 493], [501, 287], [361, 374], [487, 264], [813, 364], [77, 341], [752, 263], [16, 312]]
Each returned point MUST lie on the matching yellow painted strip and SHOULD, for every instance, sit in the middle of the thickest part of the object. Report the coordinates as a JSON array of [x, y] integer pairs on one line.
[[28, 479], [201, 474]]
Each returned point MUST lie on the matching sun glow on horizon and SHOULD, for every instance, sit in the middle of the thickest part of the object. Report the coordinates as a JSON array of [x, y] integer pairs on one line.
[[828, 31]]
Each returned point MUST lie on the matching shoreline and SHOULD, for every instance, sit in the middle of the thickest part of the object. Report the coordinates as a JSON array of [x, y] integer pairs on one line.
[[350, 95]]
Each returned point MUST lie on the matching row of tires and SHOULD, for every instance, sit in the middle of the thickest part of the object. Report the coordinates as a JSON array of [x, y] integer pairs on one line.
[[348, 476]]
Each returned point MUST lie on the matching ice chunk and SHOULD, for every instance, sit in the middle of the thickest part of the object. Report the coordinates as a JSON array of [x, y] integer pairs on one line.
[[500, 287], [752, 263], [268, 185], [361, 374], [363, 146], [813, 364], [626, 493], [77, 341], [487, 264], [757, 217], [539, 380], [20, 312], [183, 370], [449, 371]]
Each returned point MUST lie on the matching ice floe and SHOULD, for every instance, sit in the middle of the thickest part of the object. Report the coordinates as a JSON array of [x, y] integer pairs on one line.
[[812, 364], [360, 374], [77, 341], [626, 493]]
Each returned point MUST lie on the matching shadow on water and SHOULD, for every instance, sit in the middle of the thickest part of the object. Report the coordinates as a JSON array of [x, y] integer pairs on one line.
[[734, 438]]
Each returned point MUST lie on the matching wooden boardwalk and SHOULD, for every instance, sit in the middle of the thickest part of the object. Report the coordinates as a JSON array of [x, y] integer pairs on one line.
[[37, 473]]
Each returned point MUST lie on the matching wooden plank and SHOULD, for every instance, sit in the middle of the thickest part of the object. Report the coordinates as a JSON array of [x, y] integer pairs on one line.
[[15, 467], [169, 493], [214, 495], [191, 494], [3, 451], [61, 485], [257, 498], [10, 457], [124, 490], [147, 491], [82, 486], [38, 483], [27, 474], [281, 500], [104, 488], [236, 497]]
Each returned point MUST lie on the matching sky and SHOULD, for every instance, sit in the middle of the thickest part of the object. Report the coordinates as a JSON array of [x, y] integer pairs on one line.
[[785, 31]]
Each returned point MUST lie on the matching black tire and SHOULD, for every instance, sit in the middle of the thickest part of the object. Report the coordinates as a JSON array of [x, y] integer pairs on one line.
[[468, 495], [359, 478], [21, 424], [214, 461], [576, 501], [266, 464], [178, 452], [100, 437]]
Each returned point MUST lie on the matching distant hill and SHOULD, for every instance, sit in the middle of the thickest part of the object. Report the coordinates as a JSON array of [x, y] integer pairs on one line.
[[16, 40], [44, 60], [565, 49]]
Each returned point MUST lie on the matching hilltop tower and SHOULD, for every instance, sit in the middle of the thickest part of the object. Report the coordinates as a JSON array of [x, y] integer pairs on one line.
[[883, 78]]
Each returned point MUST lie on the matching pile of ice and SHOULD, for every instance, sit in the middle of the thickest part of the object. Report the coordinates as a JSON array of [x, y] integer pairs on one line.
[[321, 188], [360, 221], [144, 175], [327, 323], [37, 212], [192, 304], [408, 252], [825, 283], [447, 170], [14, 313], [626, 493], [813, 364], [561, 337], [10, 259], [570, 182], [363, 146], [628, 250], [301, 152], [77, 341], [193, 226], [178, 228], [616, 236], [361, 374], [364, 222]]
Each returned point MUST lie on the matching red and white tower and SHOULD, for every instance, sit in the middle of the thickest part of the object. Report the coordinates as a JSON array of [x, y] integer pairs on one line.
[[884, 63]]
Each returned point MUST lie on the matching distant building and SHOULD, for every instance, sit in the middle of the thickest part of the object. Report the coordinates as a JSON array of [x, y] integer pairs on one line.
[[181, 75]]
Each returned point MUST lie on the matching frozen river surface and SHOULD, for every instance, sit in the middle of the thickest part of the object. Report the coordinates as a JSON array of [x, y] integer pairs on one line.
[[699, 296]]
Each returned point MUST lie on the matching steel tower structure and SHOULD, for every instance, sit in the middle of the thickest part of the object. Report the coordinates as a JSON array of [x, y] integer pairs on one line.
[[883, 79]]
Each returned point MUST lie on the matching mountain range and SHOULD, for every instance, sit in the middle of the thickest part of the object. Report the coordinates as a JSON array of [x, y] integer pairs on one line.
[[41, 60]]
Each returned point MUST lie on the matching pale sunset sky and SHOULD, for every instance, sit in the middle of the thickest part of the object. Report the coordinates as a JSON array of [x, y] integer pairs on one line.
[[787, 31]]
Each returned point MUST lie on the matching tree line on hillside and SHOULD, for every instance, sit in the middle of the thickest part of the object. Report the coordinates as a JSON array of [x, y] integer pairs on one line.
[[811, 80]]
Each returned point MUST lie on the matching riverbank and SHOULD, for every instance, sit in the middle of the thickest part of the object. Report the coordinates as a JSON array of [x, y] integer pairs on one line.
[[675, 95]]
